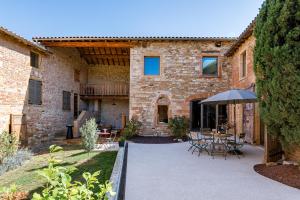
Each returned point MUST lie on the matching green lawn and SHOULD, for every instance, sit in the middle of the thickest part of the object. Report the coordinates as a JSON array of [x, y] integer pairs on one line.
[[27, 179]]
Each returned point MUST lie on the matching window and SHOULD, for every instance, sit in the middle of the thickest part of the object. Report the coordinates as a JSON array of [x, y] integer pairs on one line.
[[35, 92], [151, 65], [163, 113], [34, 59], [243, 70], [66, 100], [210, 66]]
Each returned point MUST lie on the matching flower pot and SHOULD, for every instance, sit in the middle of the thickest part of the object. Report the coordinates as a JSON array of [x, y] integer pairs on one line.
[[121, 143]]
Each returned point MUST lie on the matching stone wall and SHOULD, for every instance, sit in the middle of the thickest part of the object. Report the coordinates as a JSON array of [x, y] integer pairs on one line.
[[247, 116], [15, 71], [111, 73], [180, 80], [56, 71], [112, 114]]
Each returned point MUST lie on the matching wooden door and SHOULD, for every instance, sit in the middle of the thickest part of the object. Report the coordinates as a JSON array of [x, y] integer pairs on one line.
[[248, 121], [75, 105]]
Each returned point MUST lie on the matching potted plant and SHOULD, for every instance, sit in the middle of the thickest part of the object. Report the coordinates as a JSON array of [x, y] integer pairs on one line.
[[122, 141], [179, 127]]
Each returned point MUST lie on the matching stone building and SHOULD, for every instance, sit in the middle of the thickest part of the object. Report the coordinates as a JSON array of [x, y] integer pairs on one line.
[[56, 81], [240, 57]]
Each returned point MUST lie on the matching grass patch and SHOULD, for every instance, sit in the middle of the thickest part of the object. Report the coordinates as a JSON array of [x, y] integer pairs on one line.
[[27, 179]]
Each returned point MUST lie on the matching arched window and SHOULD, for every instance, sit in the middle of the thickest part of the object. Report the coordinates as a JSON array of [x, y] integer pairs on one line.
[[163, 110]]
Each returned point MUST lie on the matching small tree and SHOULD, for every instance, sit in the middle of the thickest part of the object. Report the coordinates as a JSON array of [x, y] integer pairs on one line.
[[131, 128], [89, 134], [277, 69], [179, 126]]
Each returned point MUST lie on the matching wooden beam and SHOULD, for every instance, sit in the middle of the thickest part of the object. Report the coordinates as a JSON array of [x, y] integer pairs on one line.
[[105, 56], [89, 44]]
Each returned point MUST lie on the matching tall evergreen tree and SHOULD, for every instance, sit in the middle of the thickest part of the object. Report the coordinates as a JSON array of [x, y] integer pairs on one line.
[[277, 69]]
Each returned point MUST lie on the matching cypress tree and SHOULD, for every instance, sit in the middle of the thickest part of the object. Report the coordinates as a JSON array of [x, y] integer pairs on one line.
[[277, 69]]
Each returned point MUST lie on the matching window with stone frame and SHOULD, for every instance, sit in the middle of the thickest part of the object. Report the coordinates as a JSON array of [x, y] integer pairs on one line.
[[210, 66], [151, 65], [162, 113], [243, 65], [66, 100], [35, 92], [34, 59]]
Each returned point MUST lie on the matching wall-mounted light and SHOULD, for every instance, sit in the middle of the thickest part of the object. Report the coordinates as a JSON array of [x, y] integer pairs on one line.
[[218, 44]]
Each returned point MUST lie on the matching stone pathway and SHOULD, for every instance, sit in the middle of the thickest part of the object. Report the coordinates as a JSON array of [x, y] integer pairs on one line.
[[170, 172]]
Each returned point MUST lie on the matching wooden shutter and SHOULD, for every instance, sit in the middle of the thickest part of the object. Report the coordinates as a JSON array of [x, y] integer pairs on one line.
[[38, 92], [66, 100], [35, 92], [31, 92]]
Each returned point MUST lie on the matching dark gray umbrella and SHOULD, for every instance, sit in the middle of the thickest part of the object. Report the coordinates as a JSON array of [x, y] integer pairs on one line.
[[234, 96]]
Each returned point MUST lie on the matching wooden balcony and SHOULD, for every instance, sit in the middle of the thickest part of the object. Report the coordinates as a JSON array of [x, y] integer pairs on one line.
[[105, 89]]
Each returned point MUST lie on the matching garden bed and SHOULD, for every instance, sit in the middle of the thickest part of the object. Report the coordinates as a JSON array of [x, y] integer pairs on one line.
[[27, 180], [286, 174], [152, 140]]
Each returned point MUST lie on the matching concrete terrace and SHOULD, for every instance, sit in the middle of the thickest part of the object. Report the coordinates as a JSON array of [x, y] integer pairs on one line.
[[169, 171]]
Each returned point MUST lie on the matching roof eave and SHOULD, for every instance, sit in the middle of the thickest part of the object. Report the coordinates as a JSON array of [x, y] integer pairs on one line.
[[24, 41], [244, 35]]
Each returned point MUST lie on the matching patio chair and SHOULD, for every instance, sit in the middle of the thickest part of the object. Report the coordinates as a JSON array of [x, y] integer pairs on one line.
[[235, 147], [197, 142], [112, 137], [192, 140]]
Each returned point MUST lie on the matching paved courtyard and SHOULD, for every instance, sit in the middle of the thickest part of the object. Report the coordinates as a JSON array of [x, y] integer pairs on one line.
[[169, 171]]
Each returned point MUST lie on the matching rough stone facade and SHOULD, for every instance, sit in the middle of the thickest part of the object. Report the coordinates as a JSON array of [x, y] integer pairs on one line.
[[247, 115], [57, 75], [56, 71], [180, 80]]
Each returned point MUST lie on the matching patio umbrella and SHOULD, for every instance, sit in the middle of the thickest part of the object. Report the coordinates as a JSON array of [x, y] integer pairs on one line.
[[233, 96]]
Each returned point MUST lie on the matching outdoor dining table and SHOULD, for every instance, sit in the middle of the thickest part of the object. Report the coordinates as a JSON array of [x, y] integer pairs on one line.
[[218, 142]]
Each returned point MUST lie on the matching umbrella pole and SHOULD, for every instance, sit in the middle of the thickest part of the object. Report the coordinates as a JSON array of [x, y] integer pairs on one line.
[[234, 124], [217, 116], [201, 118]]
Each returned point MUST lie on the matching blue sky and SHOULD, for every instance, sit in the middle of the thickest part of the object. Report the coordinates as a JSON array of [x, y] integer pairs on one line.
[[30, 18]]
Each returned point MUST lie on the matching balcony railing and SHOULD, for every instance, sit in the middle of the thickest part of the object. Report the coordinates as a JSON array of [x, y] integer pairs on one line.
[[105, 89]]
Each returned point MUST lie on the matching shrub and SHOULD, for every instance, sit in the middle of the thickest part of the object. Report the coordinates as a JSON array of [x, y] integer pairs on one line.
[[277, 69], [8, 145], [12, 193], [179, 126], [131, 128], [14, 161], [60, 185], [89, 134]]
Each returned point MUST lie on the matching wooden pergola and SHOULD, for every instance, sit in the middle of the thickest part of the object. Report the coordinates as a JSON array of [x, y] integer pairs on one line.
[[93, 51], [112, 50]]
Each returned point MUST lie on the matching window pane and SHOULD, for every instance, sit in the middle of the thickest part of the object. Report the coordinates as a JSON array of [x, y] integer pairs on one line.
[[210, 66], [34, 60], [151, 66], [243, 71]]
